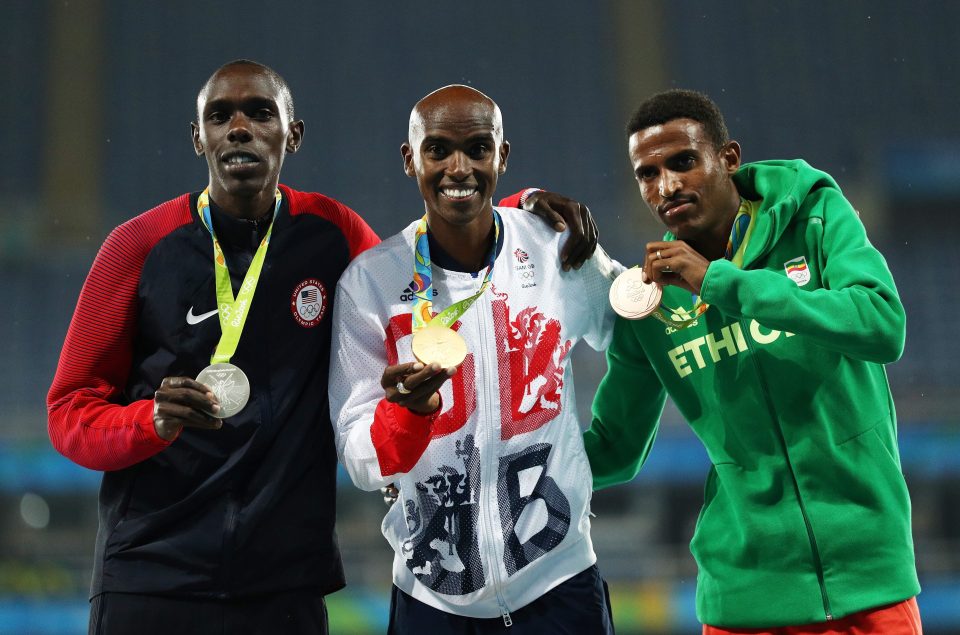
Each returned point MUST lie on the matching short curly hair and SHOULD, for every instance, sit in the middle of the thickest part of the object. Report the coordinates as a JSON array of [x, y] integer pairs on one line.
[[681, 103]]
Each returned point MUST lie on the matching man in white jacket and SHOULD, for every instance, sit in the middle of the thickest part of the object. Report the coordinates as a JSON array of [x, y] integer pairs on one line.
[[471, 411]]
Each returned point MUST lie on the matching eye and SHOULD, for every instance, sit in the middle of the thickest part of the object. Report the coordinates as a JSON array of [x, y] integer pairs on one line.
[[479, 151], [217, 116], [435, 151], [685, 161], [263, 114], [645, 174]]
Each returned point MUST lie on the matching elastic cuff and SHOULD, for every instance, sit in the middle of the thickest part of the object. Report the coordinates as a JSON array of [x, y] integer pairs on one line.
[[524, 195], [399, 437], [143, 416], [405, 415]]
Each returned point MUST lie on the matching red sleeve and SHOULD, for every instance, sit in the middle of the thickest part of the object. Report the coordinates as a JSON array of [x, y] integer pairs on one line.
[[84, 420], [516, 200], [400, 436], [358, 234]]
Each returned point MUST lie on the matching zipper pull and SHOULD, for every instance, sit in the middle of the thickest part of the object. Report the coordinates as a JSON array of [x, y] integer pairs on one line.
[[504, 612]]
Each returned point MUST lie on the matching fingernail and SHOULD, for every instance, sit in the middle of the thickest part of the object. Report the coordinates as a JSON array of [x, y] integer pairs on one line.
[[219, 424], [417, 367], [216, 407]]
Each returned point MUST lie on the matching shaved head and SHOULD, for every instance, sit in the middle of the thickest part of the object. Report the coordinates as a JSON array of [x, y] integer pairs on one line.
[[438, 107], [456, 151], [275, 78]]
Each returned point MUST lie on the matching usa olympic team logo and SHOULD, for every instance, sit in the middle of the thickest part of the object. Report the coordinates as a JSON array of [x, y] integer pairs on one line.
[[309, 302]]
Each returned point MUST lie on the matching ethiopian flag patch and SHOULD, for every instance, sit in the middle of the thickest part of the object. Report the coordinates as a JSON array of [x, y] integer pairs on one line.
[[797, 270]]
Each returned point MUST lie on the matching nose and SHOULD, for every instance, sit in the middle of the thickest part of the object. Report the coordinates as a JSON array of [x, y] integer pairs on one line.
[[458, 167], [669, 184], [239, 129]]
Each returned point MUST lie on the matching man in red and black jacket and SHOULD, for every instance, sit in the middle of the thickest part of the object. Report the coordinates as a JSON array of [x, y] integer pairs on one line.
[[210, 523]]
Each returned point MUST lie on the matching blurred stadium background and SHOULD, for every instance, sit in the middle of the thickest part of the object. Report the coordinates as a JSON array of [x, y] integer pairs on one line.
[[97, 96]]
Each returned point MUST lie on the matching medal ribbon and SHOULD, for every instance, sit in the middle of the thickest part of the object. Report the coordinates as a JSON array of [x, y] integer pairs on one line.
[[422, 286], [233, 311], [736, 245]]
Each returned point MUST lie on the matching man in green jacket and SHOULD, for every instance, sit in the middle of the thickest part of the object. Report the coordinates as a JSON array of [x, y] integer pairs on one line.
[[776, 320]]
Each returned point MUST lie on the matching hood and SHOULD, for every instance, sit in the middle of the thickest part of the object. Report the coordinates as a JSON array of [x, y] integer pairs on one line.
[[783, 185]]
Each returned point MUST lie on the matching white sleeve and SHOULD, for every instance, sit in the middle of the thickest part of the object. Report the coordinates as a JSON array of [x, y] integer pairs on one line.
[[357, 360], [594, 279]]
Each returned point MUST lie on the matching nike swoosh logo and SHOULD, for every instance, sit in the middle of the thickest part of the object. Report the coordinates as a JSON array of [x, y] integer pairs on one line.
[[196, 319]]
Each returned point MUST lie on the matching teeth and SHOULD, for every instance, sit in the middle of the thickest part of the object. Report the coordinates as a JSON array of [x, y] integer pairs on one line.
[[238, 159], [457, 193]]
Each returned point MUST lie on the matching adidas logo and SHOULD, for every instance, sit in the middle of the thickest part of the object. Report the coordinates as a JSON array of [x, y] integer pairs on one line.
[[408, 296]]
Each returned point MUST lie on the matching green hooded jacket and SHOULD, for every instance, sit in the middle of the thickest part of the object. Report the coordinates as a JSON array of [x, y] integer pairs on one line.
[[806, 515]]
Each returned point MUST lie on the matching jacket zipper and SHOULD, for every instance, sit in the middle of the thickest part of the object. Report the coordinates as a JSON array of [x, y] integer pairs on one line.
[[229, 531], [811, 537], [489, 459]]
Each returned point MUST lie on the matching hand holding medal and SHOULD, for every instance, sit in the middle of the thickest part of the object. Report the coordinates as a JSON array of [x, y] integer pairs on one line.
[[415, 386], [638, 292], [181, 402]]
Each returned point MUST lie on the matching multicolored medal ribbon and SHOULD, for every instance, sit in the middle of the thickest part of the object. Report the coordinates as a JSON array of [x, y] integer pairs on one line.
[[433, 339], [226, 380]]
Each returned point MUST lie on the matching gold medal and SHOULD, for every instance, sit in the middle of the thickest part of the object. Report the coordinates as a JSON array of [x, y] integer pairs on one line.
[[632, 297], [439, 344]]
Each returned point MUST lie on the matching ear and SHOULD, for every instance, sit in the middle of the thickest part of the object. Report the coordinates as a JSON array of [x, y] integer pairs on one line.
[[730, 156], [504, 153], [294, 136], [195, 135], [407, 153]]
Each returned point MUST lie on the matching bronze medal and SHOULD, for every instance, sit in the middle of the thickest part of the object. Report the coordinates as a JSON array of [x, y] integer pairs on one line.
[[632, 297]]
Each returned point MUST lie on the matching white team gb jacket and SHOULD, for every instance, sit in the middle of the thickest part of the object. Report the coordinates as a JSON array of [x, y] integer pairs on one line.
[[495, 512]]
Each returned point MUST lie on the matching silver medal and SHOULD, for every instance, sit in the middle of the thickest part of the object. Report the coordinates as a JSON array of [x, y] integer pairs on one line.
[[229, 384]]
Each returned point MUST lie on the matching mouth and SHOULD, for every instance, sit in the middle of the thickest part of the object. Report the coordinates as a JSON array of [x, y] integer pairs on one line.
[[458, 193], [675, 207], [239, 160]]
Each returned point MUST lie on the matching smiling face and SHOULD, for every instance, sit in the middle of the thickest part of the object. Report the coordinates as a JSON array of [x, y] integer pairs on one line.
[[685, 180], [244, 131], [456, 152]]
